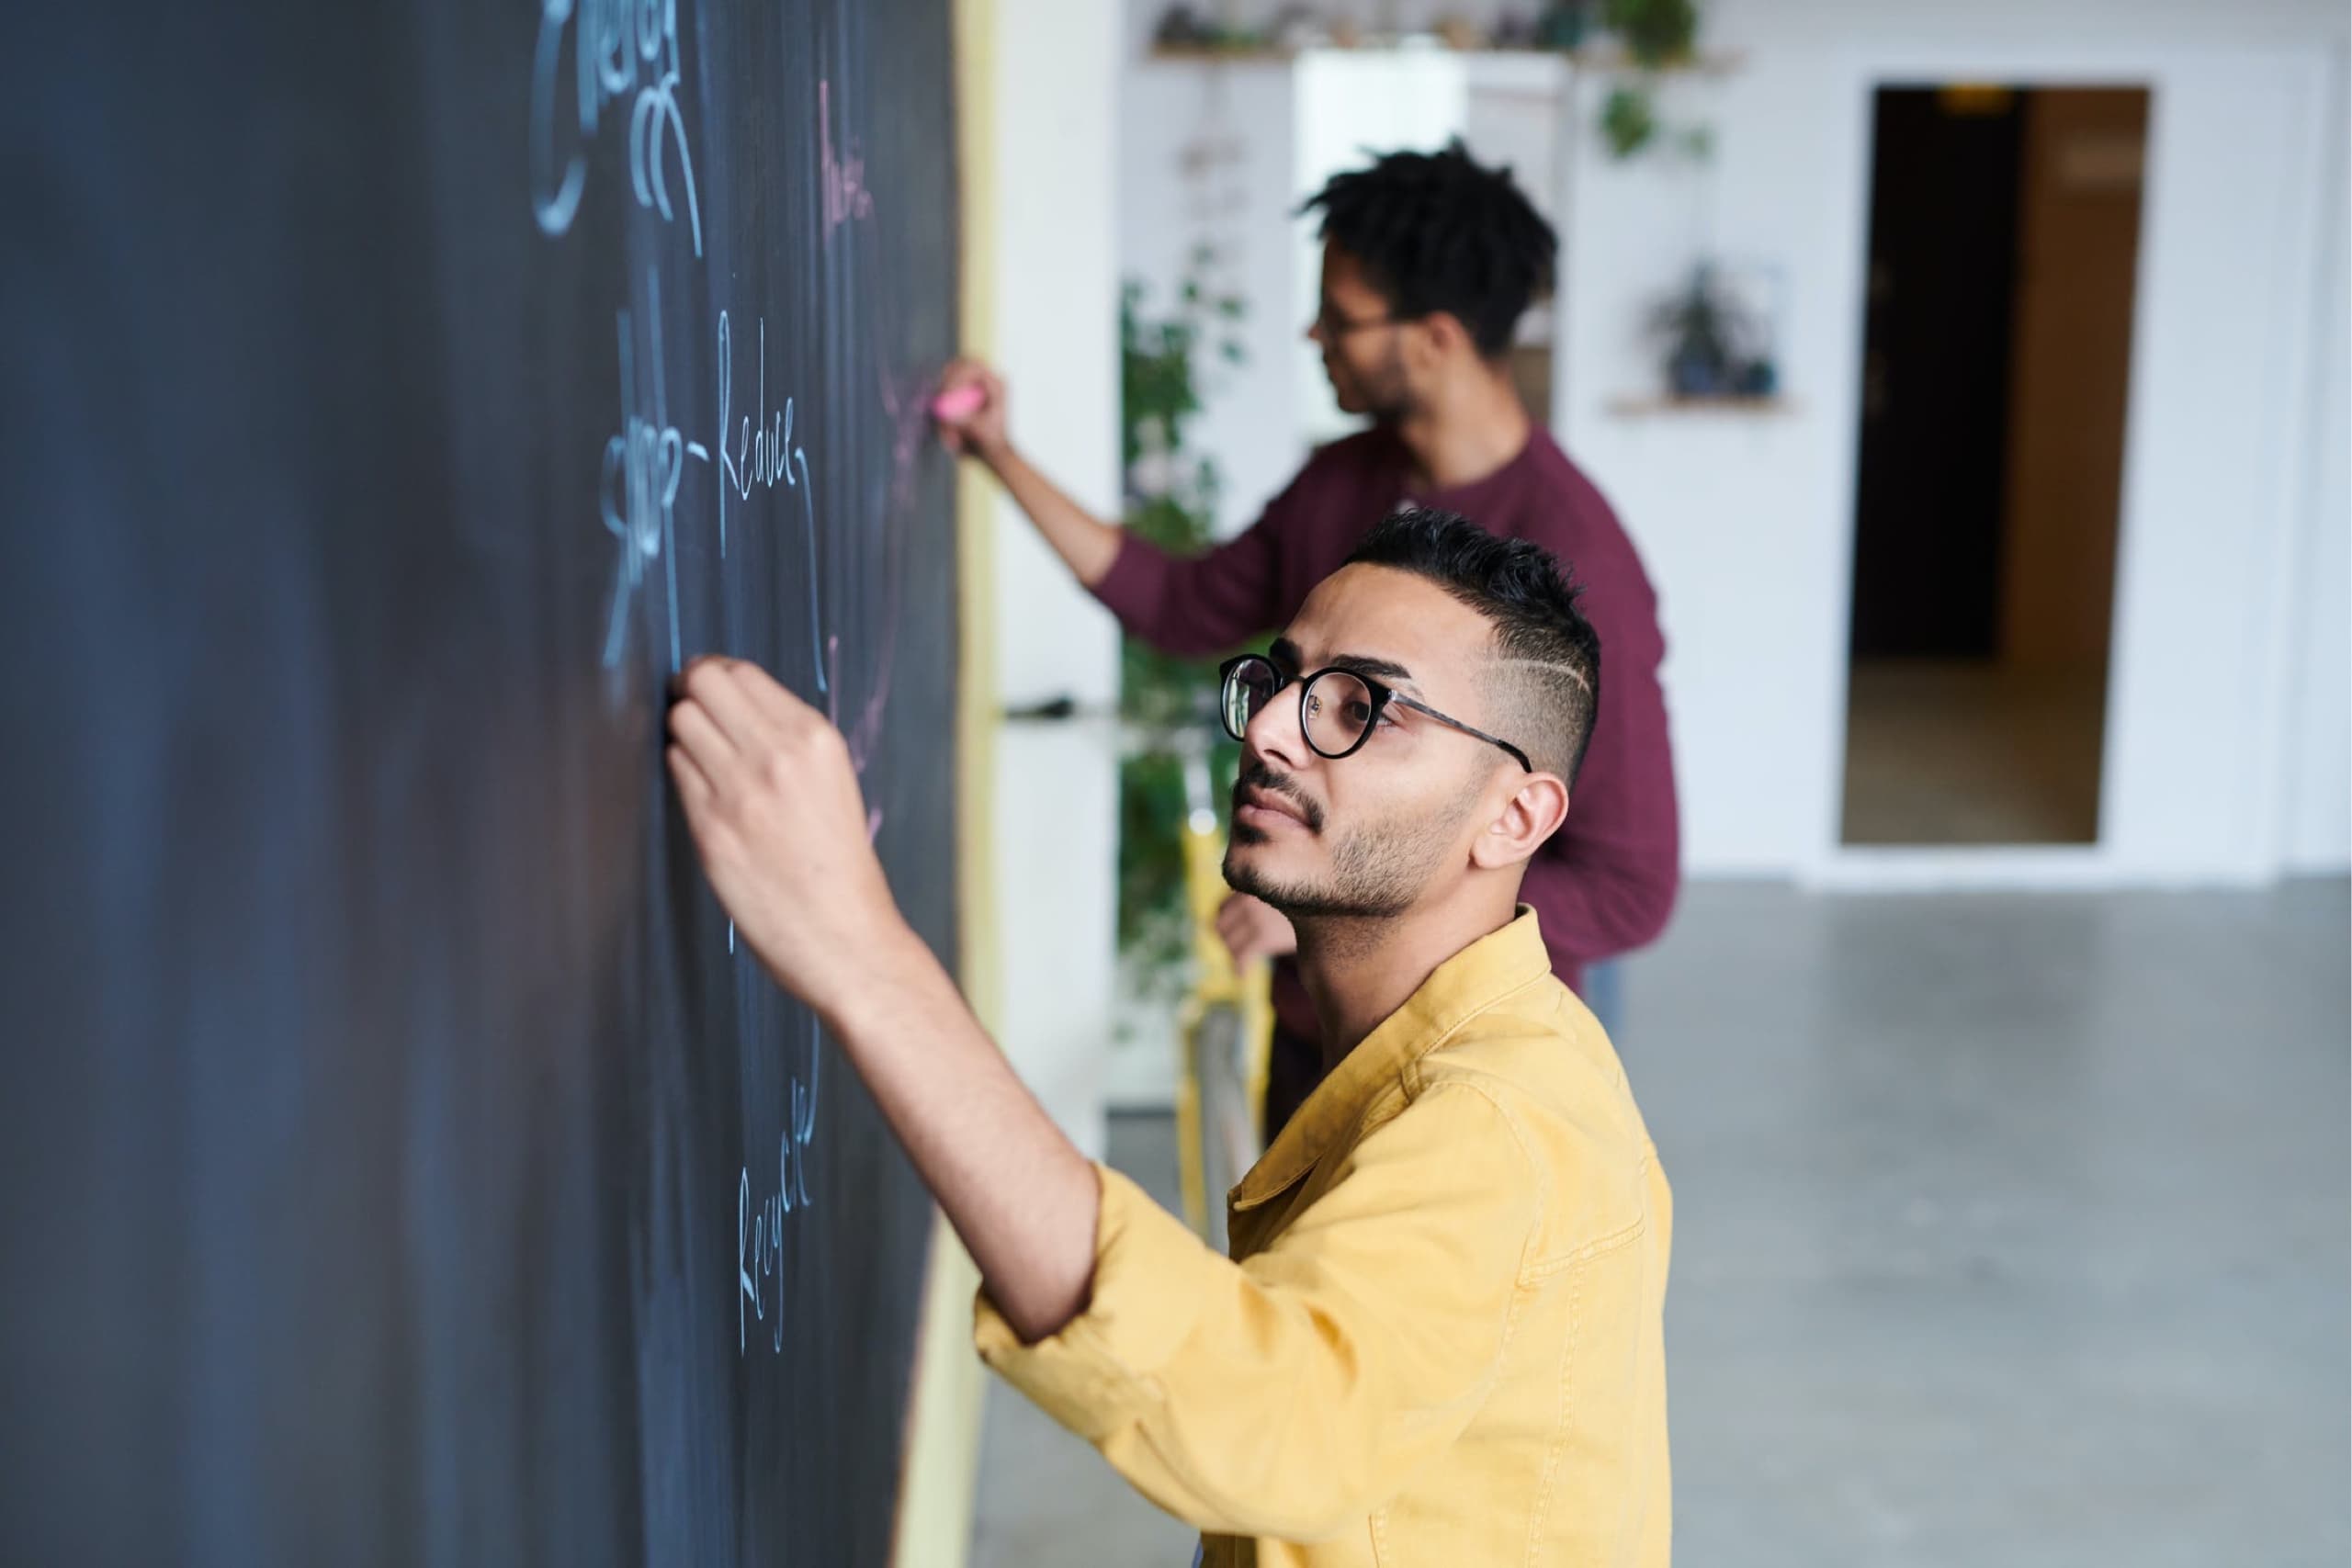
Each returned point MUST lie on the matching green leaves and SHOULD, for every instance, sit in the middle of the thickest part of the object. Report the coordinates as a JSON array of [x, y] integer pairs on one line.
[[1171, 499], [1628, 120], [1656, 32], [1658, 35]]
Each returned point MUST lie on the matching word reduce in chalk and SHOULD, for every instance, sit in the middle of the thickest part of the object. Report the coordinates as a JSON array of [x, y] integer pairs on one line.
[[958, 402]]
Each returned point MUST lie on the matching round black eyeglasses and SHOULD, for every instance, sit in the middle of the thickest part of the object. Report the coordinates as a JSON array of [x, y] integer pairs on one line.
[[1337, 706]]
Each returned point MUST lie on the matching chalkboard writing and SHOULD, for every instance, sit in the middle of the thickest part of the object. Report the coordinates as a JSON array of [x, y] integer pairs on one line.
[[621, 49], [764, 454], [759, 1248], [416, 1170], [643, 464]]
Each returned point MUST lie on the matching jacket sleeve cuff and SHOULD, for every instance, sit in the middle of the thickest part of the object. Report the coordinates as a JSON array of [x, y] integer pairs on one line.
[[1098, 1373]]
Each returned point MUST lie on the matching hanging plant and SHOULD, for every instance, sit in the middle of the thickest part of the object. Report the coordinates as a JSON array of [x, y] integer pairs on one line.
[[1628, 120], [1657, 35]]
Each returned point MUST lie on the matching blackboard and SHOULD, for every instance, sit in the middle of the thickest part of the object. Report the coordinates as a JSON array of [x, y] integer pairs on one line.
[[403, 1170]]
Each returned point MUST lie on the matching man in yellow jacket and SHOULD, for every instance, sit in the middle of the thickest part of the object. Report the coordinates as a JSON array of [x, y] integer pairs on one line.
[[1438, 1339]]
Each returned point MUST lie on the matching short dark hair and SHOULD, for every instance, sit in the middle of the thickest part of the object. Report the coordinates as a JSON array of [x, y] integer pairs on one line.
[[1441, 232], [1546, 672]]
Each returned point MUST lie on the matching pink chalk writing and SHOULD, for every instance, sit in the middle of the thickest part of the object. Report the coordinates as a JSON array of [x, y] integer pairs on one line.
[[844, 176]]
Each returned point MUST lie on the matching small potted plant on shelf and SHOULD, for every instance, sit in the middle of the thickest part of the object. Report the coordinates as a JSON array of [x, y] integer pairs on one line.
[[1714, 346]]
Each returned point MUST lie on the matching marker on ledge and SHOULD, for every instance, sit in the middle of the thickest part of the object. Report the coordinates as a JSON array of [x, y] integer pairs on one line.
[[958, 402]]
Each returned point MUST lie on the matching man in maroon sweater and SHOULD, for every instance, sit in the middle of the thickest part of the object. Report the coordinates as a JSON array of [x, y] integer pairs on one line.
[[1429, 261]]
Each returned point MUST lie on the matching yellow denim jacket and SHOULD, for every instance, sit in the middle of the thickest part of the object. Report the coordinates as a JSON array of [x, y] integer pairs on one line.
[[1440, 1339]]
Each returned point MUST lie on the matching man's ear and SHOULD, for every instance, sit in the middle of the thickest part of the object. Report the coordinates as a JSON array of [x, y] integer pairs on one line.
[[1445, 335], [1533, 814]]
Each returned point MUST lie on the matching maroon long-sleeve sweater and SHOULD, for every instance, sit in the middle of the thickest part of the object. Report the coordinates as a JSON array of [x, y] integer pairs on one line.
[[1606, 882]]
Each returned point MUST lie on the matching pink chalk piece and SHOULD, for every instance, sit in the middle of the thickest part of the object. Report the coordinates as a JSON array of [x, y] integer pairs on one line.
[[959, 402]]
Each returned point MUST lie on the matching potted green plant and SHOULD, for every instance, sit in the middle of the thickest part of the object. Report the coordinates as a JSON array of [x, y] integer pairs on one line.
[[1713, 345], [1171, 494]]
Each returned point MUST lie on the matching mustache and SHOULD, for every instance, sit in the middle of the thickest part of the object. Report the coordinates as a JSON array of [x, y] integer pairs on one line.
[[1257, 775]]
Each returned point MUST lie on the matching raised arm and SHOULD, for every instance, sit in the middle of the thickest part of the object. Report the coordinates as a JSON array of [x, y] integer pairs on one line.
[[775, 809], [1282, 1396], [1086, 542], [1190, 607]]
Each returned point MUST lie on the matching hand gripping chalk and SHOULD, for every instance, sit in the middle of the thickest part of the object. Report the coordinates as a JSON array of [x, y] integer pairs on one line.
[[958, 402]]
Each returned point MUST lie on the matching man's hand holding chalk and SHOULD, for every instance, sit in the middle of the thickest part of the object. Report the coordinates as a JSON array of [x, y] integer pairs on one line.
[[770, 798], [774, 804], [970, 408]]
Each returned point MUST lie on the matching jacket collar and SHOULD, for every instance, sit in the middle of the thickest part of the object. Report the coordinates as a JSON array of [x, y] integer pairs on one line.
[[1457, 990]]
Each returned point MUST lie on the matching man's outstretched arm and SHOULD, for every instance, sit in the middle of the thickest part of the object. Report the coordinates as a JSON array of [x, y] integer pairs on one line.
[[1284, 1396], [1189, 607], [775, 807], [1086, 542]]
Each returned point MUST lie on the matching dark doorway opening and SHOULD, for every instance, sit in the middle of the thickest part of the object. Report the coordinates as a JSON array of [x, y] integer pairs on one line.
[[2004, 245]]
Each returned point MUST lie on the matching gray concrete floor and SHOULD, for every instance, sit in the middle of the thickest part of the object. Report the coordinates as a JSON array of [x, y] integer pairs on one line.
[[2011, 1231]]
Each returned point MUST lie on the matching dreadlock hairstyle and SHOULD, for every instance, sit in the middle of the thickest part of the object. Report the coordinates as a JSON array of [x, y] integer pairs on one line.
[[1441, 232]]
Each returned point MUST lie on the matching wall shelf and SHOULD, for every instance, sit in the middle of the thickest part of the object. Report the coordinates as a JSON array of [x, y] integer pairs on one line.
[[1601, 60], [1222, 54], [1648, 405], [1613, 60]]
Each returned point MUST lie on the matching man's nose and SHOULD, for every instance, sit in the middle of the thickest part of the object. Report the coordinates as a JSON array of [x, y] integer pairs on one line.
[[1274, 735]]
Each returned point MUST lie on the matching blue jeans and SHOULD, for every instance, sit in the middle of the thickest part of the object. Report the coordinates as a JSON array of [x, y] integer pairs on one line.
[[1604, 993]]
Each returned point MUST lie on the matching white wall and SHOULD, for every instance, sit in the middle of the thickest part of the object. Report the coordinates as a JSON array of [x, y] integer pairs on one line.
[[2318, 808], [1741, 521], [1055, 319], [1202, 158], [1746, 523]]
